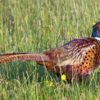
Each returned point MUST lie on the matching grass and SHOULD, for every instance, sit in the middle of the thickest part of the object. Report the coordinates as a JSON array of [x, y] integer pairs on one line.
[[36, 26]]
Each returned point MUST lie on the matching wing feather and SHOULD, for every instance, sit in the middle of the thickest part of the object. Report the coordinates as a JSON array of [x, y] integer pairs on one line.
[[72, 53]]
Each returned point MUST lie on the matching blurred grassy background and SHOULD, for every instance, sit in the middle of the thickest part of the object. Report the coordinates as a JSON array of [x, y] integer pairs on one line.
[[36, 26]]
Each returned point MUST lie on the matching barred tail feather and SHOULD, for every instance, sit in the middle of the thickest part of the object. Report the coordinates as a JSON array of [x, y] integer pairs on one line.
[[23, 57], [9, 54]]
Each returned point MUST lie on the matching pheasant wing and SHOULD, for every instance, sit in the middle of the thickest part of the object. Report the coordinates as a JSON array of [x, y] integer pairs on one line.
[[72, 53]]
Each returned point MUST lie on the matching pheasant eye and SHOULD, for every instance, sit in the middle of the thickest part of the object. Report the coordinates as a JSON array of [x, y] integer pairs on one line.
[[98, 25]]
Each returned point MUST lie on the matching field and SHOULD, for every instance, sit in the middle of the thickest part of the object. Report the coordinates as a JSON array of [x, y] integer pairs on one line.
[[36, 26]]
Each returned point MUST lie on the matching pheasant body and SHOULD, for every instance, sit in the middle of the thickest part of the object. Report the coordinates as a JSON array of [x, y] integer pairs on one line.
[[77, 58]]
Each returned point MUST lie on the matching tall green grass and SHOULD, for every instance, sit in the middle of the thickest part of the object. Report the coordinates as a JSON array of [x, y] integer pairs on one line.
[[36, 26]]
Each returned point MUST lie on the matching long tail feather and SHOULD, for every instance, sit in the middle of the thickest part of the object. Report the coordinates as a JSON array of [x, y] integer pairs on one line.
[[9, 54], [9, 57]]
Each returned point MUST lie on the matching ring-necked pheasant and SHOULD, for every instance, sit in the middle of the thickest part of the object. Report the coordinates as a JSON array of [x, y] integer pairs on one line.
[[77, 58]]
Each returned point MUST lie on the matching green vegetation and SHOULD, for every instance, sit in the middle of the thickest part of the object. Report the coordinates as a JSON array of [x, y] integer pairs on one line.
[[35, 26]]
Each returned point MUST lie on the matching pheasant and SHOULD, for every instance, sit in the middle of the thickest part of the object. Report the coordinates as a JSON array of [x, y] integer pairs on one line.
[[77, 58]]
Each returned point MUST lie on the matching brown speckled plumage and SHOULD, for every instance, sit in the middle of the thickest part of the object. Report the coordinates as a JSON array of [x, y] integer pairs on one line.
[[77, 59]]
